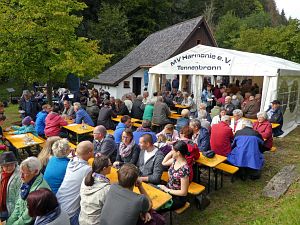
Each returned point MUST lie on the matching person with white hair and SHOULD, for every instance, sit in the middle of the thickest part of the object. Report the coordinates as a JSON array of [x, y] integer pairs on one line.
[[229, 106], [56, 168], [247, 151], [237, 120], [81, 115], [32, 180], [264, 127], [221, 136]]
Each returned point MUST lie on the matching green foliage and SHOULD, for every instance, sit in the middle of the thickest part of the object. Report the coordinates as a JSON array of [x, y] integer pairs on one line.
[[38, 41], [283, 41]]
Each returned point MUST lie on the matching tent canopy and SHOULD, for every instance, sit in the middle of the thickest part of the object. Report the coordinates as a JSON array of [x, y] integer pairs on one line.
[[207, 60]]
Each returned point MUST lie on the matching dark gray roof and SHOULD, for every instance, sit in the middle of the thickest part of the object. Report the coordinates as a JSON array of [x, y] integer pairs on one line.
[[155, 49]]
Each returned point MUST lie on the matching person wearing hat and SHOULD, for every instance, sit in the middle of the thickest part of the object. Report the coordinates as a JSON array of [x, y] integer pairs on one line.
[[275, 115], [10, 183], [26, 127]]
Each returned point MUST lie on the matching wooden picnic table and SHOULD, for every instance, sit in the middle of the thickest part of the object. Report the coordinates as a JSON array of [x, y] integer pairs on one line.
[[274, 125], [133, 120], [111, 132], [19, 140], [158, 197], [78, 129], [181, 106], [210, 163]]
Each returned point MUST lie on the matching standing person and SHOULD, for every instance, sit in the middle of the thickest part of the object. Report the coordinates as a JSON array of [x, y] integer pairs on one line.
[[93, 109], [124, 123], [93, 191], [168, 86], [179, 172], [148, 111], [128, 151], [104, 144], [175, 82], [105, 115], [201, 135], [54, 122], [57, 165], [43, 205], [77, 169], [137, 109], [275, 115], [68, 112], [207, 97], [161, 112], [29, 105], [221, 136], [40, 123], [32, 180], [123, 202], [81, 115], [264, 127], [10, 183], [150, 159]]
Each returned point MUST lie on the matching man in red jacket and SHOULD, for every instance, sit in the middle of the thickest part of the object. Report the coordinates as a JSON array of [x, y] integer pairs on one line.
[[221, 137]]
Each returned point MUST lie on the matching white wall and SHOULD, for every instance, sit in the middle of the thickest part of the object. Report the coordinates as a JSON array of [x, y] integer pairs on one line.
[[119, 90]]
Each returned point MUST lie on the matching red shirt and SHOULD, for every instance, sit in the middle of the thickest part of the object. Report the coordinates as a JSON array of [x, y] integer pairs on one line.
[[265, 129], [220, 139]]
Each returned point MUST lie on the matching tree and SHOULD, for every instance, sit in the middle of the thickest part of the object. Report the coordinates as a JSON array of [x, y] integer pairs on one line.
[[38, 42]]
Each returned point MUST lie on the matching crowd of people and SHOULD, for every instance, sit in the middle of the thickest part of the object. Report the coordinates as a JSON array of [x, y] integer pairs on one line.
[[54, 189]]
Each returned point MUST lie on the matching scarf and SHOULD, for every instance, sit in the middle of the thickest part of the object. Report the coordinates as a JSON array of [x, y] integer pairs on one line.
[[100, 177], [49, 217], [3, 187], [25, 188], [126, 150], [142, 129]]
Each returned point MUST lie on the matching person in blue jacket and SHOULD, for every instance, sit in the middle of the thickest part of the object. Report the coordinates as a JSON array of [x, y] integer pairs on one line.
[[201, 135], [247, 151], [275, 115], [144, 129], [40, 120], [125, 123], [82, 115]]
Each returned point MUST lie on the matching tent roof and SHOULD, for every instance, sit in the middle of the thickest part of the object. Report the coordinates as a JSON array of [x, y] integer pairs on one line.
[[207, 60]]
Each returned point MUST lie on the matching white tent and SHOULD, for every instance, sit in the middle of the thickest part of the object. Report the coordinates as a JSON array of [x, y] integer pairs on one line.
[[281, 78]]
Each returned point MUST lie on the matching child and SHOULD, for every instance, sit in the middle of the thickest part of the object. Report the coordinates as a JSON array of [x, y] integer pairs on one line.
[[170, 133], [162, 145], [26, 127]]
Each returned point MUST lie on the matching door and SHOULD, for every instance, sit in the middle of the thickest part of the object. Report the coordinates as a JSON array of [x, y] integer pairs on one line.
[[137, 85]]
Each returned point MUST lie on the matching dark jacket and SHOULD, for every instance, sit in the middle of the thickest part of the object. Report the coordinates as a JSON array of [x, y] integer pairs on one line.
[[137, 109], [104, 118], [277, 117], [153, 168], [132, 158], [93, 110], [107, 147], [246, 149], [123, 110], [229, 109], [203, 140], [175, 83], [161, 113], [30, 107], [251, 109], [182, 122]]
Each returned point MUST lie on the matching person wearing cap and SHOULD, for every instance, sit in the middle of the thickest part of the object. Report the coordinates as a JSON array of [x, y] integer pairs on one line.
[[32, 180], [10, 184], [275, 115], [26, 127]]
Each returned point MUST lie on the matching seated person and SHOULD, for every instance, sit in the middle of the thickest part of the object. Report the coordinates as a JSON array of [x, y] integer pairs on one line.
[[237, 120], [150, 160], [104, 144], [188, 101], [161, 112], [105, 115], [264, 127], [128, 151], [184, 120], [81, 116], [121, 108], [123, 202], [179, 172], [215, 111], [54, 122], [202, 113], [125, 123], [56, 168], [170, 133], [251, 108], [137, 109], [40, 120], [229, 107], [217, 119], [26, 127], [178, 98], [186, 134], [144, 129], [247, 152], [93, 109], [275, 115], [162, 144], [32, 180], [221, 136], [148, 111], [68, 112], [201, 135]]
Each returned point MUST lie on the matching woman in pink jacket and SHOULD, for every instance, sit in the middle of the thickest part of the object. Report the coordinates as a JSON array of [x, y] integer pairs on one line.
[[54, 122], [264, 127]]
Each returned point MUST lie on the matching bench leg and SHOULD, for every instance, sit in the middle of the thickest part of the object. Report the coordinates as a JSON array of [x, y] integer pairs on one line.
[[216, 179], [171, 218], [221, 179]]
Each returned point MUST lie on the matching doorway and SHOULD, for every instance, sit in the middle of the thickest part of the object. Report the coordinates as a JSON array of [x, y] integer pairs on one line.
[[137, 85]]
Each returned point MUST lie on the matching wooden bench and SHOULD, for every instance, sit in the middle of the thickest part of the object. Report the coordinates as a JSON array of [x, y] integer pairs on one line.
[[179, 211], [223, 167]]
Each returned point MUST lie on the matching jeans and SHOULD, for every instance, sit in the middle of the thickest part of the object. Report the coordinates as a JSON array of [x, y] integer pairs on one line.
[[3, 216], [74, 219]]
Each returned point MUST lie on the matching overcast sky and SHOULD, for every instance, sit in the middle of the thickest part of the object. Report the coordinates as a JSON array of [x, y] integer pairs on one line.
[[291, 7]]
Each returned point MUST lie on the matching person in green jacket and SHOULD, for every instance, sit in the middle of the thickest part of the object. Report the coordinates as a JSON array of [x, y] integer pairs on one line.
[[32, 180], [10, 183], [26, 127], [148, 112]]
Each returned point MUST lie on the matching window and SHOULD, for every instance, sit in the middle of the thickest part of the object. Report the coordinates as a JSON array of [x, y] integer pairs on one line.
[[283, 95], [293, 96], [198, 42], [126, 84]]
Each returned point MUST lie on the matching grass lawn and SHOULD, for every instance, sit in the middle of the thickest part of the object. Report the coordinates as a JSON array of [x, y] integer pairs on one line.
[[242, 202]]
